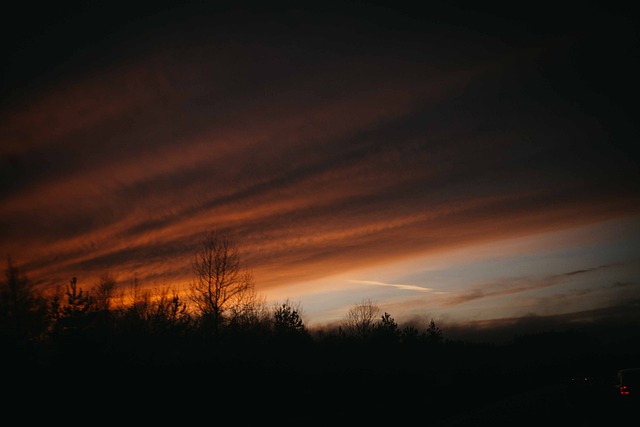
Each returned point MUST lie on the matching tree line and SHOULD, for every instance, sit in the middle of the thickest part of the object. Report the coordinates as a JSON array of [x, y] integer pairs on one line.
[[223, 333], [134, 325]]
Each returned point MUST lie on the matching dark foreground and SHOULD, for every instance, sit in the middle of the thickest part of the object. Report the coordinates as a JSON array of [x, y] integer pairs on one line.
[[540, 380], [552, 405], [188, 396]]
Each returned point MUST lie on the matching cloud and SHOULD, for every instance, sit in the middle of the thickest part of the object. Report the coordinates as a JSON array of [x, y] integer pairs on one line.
[[517, 285], [610, 324], [589, 270], [395, 285]]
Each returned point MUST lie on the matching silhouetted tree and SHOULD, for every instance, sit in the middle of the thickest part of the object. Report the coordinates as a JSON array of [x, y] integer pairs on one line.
[[287, 320], [220, 281], [386, 330], [75, 330], [433, 334], [73, 314], [156, 311], [104, 292], [169, 311], [360, 319], [23, 314], [138, 310], [155, 325], [249, 312], [79, 302]]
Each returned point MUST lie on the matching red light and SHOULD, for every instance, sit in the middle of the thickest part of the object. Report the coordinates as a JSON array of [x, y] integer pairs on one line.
[[623, 390]]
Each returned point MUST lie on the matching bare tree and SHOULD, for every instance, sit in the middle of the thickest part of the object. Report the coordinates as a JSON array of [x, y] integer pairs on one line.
[[221, 283], [248, 307], [360, 319], [104, 292]]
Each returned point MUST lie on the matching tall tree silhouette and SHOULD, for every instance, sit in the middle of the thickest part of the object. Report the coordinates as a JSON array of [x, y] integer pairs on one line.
[[220, 281], [23, 314], [433, 334]]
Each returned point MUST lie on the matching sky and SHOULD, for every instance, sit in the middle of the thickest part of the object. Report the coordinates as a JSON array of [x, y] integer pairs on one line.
[[472, 165]]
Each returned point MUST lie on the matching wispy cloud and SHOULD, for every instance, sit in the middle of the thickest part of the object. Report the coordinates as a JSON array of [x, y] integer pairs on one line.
[[516, 285], [587, 270], [397, 286]]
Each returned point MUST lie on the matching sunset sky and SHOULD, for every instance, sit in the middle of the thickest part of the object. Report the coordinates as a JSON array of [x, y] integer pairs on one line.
[[456, 163]]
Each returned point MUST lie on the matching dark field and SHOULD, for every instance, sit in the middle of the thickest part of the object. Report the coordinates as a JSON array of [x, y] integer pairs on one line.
[[543, 379]]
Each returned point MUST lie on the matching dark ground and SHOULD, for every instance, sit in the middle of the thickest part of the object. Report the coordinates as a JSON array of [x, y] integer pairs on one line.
[[187, 397], [547, 379]]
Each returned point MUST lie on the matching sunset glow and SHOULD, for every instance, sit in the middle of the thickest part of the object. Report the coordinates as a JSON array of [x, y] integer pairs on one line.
[[467, 171]]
